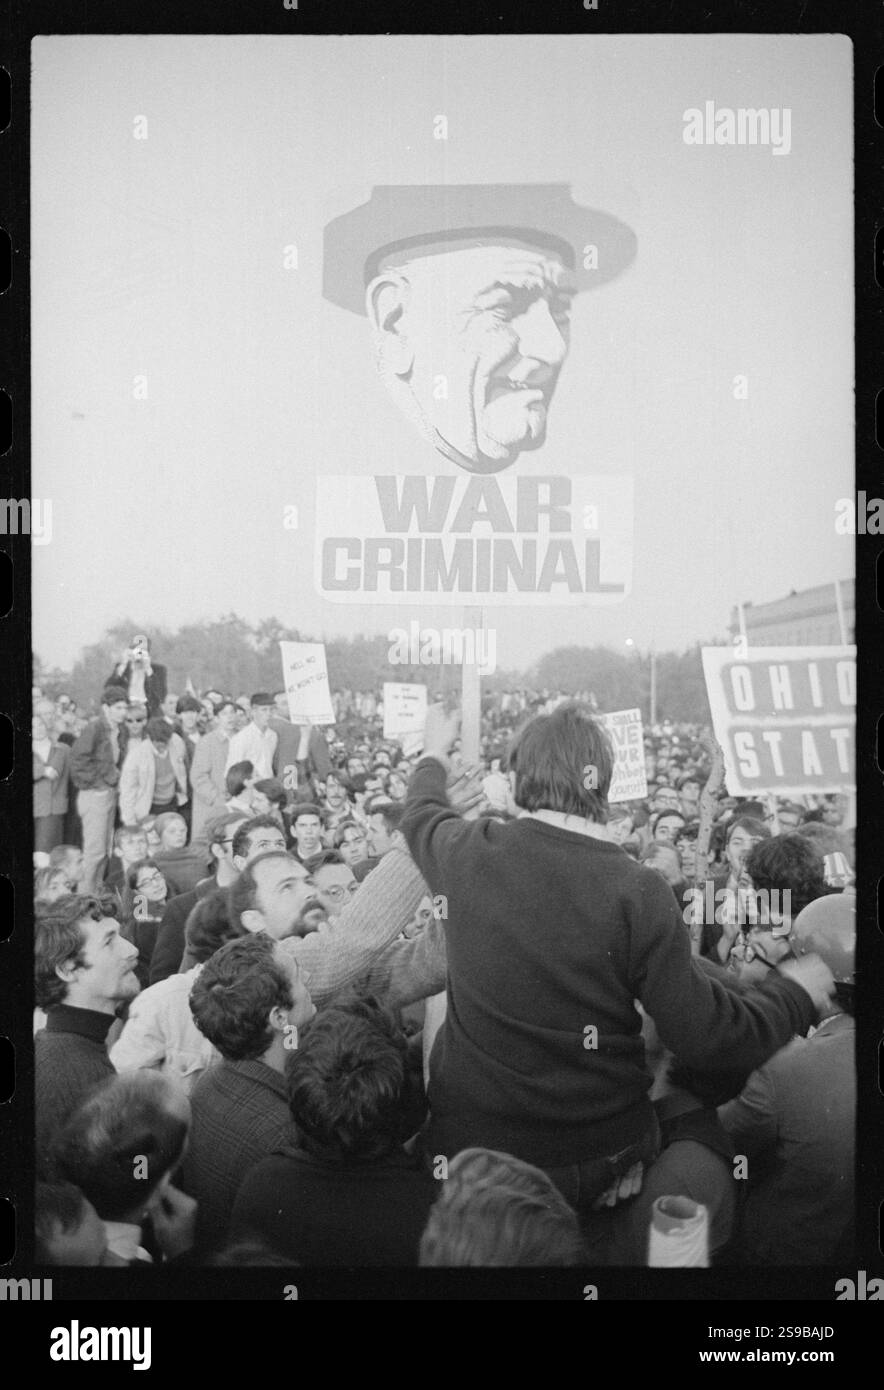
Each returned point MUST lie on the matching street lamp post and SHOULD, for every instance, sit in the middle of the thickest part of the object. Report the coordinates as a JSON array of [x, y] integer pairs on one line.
[[652, 656]]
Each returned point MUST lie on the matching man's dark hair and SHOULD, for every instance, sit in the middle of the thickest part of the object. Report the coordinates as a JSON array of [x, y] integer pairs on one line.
[[121, 1141], [158, 731], [227, 700], [59, 939], [260, 698], [391, 813], [751, 823], [240, 845], [788, 863], [234, 993], [237, 776], [218, 827], [563, 762], [667, 814], [113, 694], [243, 893], [689, 831], [656, 850], [825, 839], [58, 1206], [348, 1082], [328, 856], [188, 702], [273, 789], [303, 808], [686, 779], [209, 925], [344, 826]]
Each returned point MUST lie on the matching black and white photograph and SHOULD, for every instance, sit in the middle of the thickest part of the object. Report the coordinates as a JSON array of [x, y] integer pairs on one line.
[[443, 620]]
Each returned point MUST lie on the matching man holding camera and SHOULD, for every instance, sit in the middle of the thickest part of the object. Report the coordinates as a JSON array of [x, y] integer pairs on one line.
[[143, 680]]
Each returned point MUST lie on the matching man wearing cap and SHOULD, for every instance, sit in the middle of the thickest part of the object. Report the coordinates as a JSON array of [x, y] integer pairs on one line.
[[143, 680], [256, 743], [467, 290], [96, 758]]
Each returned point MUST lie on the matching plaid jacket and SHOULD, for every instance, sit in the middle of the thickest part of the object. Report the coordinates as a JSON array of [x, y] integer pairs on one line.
[[239, 1115]]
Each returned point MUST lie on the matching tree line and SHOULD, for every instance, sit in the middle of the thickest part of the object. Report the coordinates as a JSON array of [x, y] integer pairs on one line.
[[239, 658]]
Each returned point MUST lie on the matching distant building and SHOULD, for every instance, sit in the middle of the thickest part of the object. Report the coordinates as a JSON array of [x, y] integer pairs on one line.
[[805, 619]]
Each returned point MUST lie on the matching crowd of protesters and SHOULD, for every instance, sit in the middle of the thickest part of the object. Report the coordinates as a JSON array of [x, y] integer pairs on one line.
[[304, 998]]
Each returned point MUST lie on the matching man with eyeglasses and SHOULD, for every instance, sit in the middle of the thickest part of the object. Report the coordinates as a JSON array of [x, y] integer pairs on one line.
[[136, 718], [334, 881], [665, 799]]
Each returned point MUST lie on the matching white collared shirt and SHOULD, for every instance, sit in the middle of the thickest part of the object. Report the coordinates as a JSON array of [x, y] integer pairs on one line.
[[252, 746], [561, 820]]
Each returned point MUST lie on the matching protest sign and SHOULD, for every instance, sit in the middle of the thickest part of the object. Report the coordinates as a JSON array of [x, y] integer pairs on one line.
[[784, 717], [305, 678], [625, 729], [405, 710], [473, 540]]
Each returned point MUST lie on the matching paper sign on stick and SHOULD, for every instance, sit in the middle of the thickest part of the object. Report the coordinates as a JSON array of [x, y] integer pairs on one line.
[[305, 677], [625, 729], [405, 709]]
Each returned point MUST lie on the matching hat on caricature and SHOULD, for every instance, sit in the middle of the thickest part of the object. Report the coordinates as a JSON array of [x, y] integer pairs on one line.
[[405, 217]]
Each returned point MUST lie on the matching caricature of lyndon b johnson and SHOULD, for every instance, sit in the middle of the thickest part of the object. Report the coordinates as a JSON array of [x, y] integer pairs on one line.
[[468, 290]]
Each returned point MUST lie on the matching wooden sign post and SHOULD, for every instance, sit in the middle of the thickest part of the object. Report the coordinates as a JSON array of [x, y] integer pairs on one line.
[[471, 691]]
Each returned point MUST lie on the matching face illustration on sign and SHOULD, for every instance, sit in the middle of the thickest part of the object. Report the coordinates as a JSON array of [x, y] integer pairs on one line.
[[469, 342], [468, 291]]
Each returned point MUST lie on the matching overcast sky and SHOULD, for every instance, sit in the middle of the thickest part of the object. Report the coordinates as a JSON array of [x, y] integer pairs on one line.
[[164, 258]]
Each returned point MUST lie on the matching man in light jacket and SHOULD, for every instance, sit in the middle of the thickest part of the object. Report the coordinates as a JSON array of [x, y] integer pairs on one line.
[[154, 775]]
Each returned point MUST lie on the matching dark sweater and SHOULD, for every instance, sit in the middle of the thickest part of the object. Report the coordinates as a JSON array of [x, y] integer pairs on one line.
[[181, 868], [70, 1057], [239, 1115], [325, 1214], [551, 933]]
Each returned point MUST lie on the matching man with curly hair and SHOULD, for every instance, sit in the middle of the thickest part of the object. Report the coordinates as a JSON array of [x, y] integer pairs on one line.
[[84, 970]]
